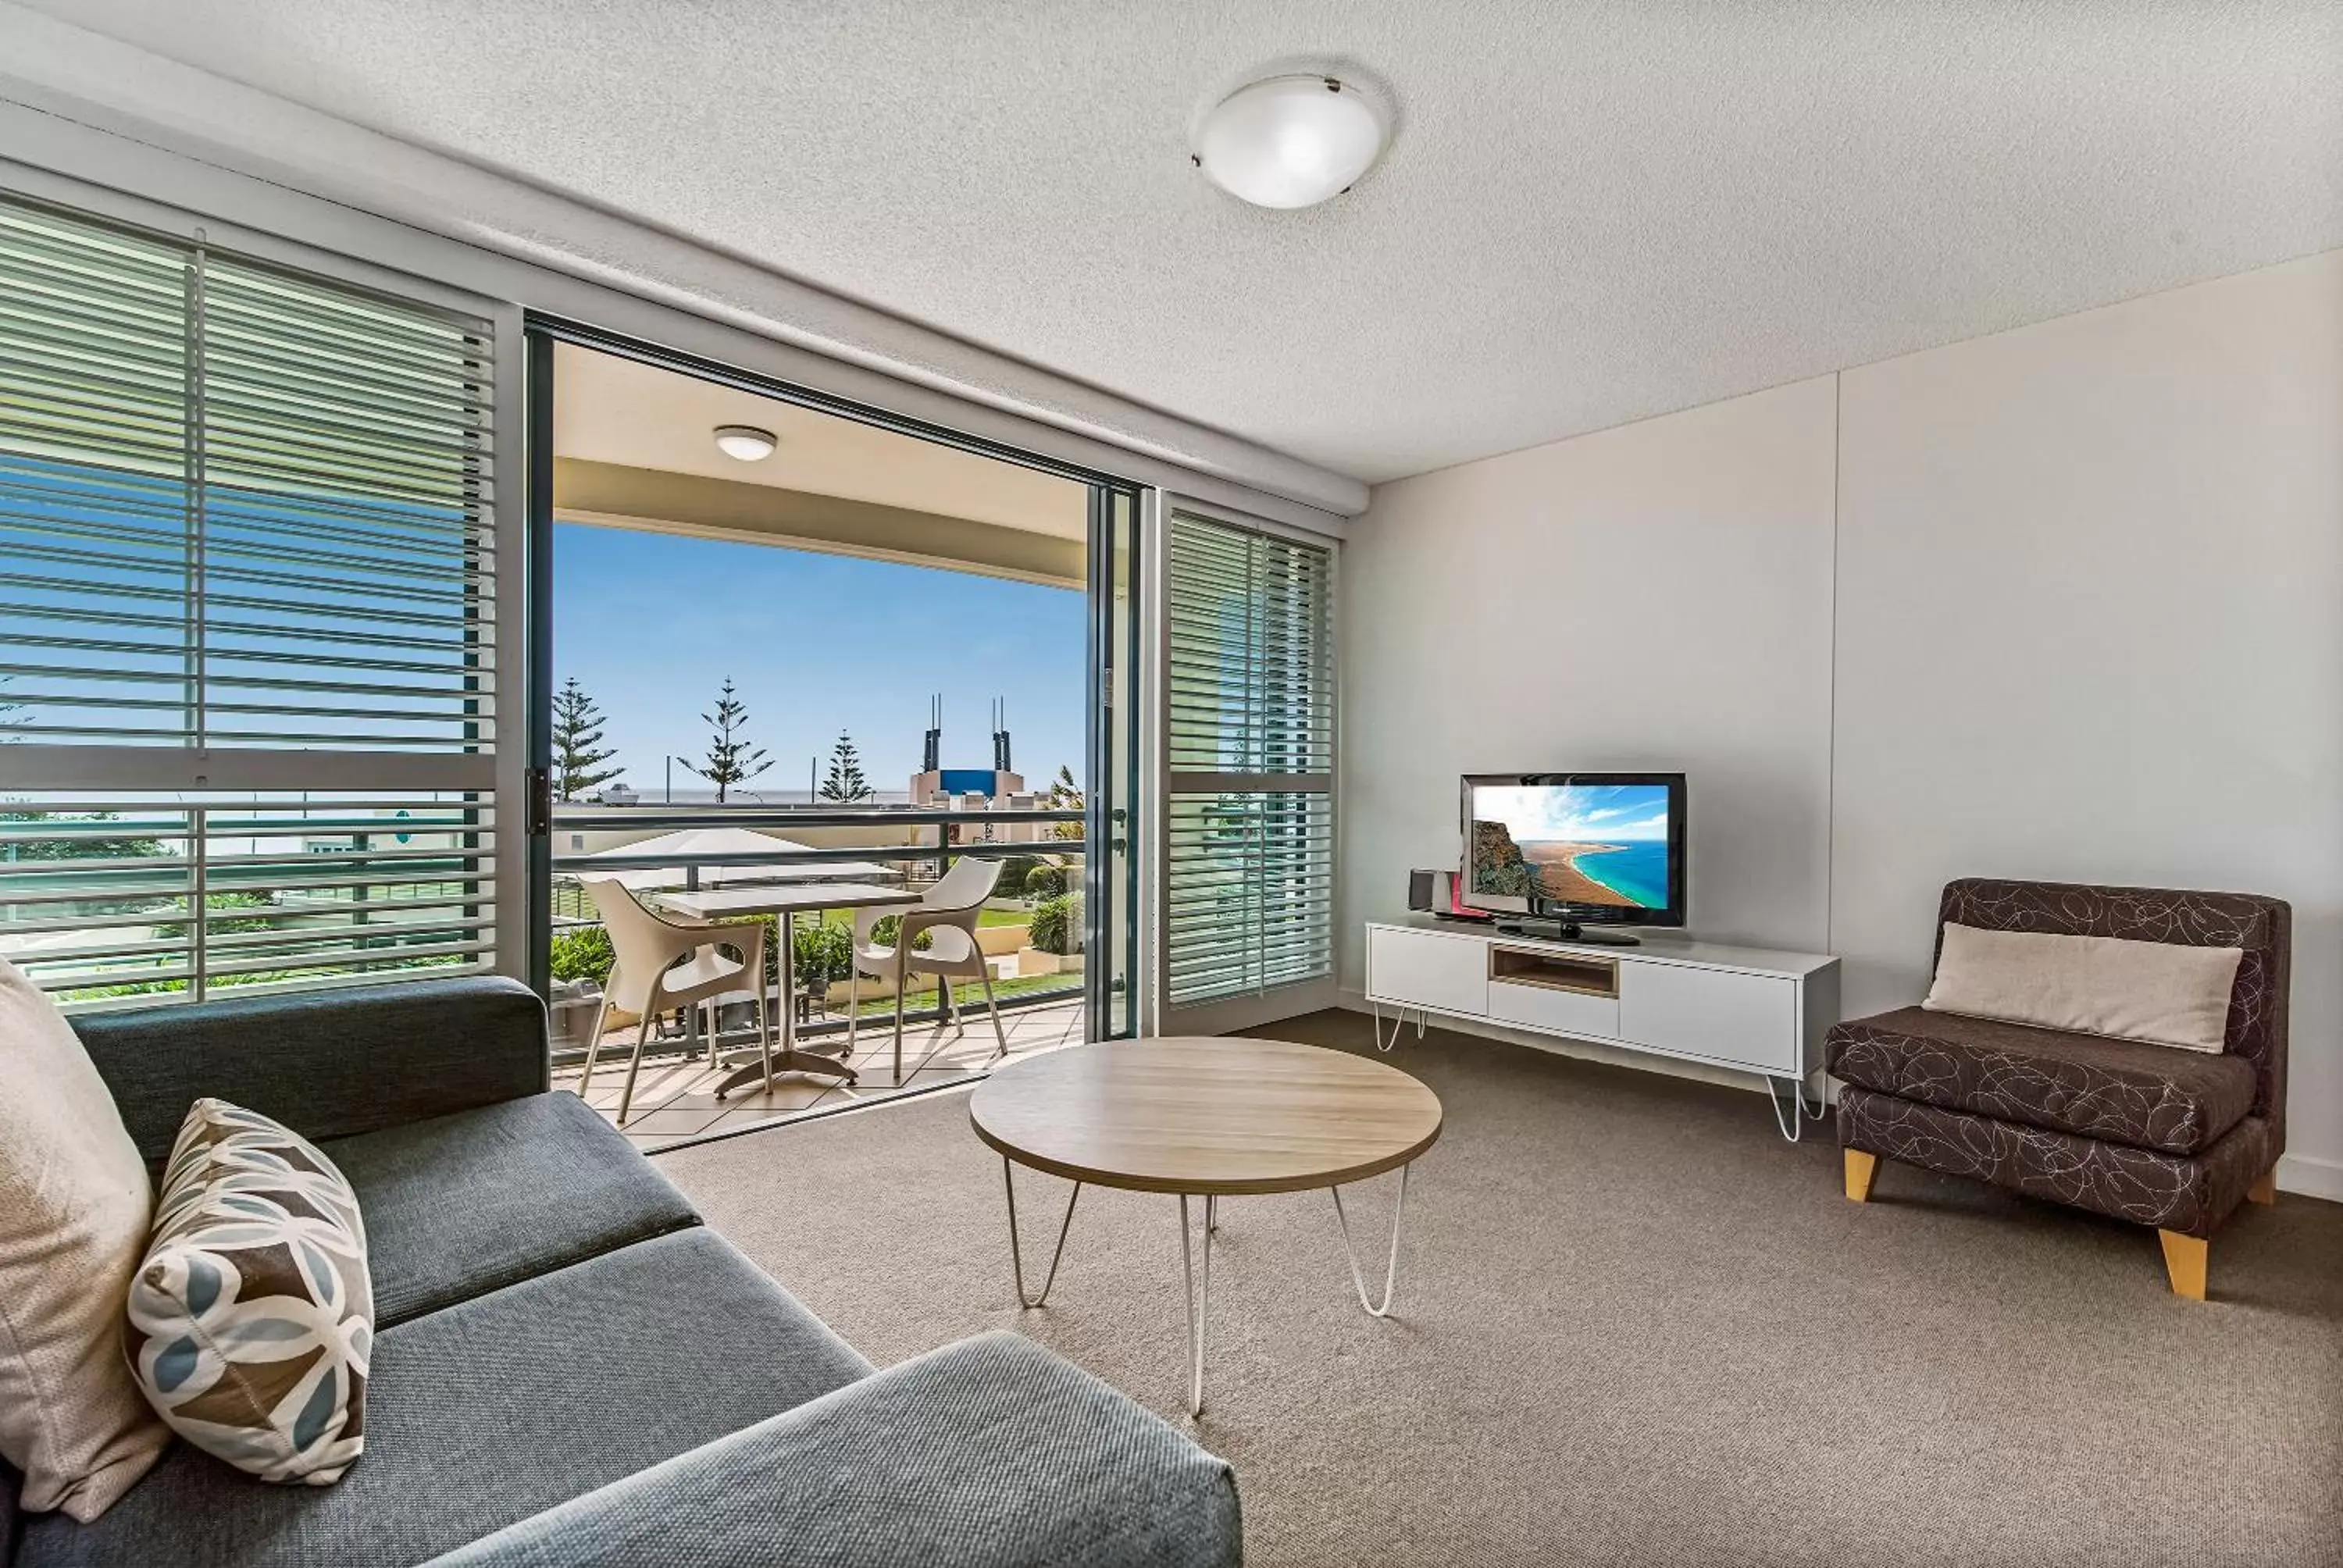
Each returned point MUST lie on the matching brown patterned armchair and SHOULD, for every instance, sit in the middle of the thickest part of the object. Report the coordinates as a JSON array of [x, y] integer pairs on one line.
[[2169, 1138]]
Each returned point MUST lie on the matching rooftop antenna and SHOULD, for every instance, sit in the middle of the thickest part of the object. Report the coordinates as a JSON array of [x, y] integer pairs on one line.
[[932, 755], [1000, 763]]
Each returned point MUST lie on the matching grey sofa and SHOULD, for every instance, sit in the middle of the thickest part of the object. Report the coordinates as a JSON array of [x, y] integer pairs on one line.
[[571, 1369]]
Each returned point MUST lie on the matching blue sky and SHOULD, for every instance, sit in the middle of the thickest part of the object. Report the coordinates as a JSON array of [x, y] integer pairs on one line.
[[1583, 814], [651, 624]]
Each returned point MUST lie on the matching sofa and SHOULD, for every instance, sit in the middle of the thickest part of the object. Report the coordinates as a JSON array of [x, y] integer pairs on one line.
[[570, 1368], [2167, 1138]]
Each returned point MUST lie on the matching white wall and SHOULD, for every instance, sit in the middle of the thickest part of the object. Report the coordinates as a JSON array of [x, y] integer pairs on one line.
[[2063, 602], [1656, 596], [2090, 628]]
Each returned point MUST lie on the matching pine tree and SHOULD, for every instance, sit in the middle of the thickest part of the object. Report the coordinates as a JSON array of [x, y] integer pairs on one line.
[[845, 783], [730, 760], [1065, 795], [577, 757]]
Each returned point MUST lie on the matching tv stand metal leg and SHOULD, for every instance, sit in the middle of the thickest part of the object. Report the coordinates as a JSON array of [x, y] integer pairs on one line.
[[1791, 1115], [1398, 1023]]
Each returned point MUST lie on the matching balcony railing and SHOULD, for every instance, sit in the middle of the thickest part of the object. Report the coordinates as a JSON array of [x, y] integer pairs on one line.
[[935, 835]]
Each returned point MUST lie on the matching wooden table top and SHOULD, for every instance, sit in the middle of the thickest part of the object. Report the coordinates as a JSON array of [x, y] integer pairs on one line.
[[1205, 1116]]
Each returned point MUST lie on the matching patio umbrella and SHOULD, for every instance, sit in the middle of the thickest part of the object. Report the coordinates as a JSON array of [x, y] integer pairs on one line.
[[691, 843]]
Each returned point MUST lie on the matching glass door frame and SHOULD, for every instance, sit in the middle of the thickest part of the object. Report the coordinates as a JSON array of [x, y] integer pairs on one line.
[[1112, 794]]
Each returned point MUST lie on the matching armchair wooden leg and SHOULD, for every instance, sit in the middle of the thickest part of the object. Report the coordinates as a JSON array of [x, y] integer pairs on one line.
[[1861, 1169], [2183, 1261], [2265, 1190]]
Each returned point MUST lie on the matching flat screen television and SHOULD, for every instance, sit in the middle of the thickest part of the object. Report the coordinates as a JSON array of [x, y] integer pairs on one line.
[[1577, 849]]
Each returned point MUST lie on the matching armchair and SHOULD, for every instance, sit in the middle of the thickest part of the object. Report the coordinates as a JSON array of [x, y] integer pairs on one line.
[[2162, 1137]]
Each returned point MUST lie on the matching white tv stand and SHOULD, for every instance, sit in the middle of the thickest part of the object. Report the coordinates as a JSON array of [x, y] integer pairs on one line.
[[1753, 1009]]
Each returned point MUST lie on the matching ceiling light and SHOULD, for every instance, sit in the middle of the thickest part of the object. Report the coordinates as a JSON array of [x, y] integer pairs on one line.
[[745, 442], [1290, 141]]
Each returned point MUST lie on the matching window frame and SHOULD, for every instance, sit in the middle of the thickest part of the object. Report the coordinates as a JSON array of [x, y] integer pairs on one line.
[[231, 771]]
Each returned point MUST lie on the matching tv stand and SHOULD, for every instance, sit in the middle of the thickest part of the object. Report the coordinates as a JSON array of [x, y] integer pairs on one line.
[[1751, 1010], [1571, 931]]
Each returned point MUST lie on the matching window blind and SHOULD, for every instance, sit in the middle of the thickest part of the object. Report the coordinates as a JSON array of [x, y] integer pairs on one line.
[[244, 513], [1249, 740]]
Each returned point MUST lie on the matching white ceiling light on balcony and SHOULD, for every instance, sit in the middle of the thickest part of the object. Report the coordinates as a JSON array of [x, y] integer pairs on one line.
[[745, 442], [1290, 141]]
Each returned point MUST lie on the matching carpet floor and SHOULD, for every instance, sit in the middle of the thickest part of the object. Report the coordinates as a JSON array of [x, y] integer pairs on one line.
[[1633, 1327]]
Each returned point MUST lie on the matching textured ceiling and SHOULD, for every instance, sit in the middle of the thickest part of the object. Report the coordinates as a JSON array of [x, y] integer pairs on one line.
[[1590, 214]]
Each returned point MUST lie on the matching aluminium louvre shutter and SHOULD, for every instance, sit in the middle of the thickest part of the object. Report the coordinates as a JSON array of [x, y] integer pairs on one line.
[[246, 528], [1249, 736]]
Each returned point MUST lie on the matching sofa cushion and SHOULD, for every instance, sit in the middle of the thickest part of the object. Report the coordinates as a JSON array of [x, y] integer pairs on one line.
[[74, 1209], [495, 1409], [990, 1454], [465, 1203], [2148, 1096], [251, 1318]]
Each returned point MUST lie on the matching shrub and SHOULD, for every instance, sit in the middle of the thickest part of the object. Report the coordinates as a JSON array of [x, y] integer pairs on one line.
[[1014, 870], [1045, 881], [883, 935], [583, 953], [1057, 924]]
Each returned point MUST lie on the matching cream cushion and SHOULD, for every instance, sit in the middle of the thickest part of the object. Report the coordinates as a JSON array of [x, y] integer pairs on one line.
[[74, 1205], [2163, 993]]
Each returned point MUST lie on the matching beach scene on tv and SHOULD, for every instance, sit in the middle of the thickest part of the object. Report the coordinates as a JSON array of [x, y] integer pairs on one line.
[[1572, 843]]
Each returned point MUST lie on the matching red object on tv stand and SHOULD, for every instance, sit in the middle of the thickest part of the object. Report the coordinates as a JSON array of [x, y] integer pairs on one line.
[[1458, 909]]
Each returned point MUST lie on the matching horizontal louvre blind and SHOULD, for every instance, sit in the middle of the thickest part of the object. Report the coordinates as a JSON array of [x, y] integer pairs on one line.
[[1250, 733], [242, 512], [99, 895]]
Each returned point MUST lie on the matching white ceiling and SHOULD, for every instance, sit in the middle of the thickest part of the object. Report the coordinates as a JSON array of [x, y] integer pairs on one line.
[[611, 410], [1591, 213]]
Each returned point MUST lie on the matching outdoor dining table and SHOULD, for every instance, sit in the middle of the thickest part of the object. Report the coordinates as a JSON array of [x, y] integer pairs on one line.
[[786, 901]]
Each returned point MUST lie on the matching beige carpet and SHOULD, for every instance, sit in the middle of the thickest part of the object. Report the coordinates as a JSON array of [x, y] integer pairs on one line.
[[1635, 1327]]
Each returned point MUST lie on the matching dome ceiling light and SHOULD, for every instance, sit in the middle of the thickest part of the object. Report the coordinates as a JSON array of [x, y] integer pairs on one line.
[[746, 442], [1290, 141]]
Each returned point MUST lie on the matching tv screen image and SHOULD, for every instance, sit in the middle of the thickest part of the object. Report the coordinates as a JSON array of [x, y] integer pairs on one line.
[[1594, 845]]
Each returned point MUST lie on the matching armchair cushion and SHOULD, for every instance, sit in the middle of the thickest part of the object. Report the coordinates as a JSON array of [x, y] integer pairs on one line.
[[2163, 993], [2146, 1096], [2190, 1193], [460, 1205]]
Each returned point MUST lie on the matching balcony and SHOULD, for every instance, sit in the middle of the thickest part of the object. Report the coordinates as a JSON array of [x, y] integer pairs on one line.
[[665, 856]]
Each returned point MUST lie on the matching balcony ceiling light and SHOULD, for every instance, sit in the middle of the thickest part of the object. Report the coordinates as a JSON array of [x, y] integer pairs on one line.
[[745, 442], [1290, 141]]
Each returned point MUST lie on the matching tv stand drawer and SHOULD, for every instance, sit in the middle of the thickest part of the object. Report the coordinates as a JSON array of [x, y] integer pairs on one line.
[[1554, 992], [1428, 969], [1736, 1019]]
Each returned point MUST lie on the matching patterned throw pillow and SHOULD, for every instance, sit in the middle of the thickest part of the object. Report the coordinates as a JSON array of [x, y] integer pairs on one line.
[[252, 1318]]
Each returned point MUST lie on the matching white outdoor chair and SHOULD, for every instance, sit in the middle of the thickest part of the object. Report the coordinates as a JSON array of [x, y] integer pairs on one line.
[[948, 915], [661, 964]]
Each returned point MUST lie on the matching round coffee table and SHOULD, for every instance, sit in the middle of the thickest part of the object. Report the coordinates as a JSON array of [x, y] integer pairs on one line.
[[1209, 1119]]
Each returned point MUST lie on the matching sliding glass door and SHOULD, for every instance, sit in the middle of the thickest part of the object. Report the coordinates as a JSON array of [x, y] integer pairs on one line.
[[765, 625]]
